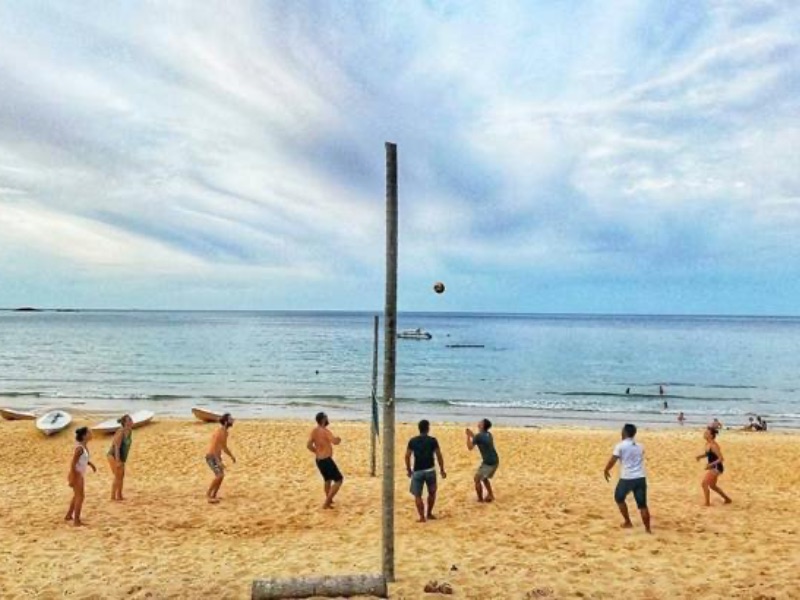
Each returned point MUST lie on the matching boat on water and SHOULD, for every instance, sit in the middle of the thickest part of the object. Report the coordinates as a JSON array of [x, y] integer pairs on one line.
[[414, 334]]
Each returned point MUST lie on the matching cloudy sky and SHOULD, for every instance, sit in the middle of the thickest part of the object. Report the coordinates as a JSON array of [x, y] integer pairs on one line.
[[626, 156]]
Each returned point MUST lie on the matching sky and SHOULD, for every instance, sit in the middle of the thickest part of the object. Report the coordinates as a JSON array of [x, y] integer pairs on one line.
[[572, 156]]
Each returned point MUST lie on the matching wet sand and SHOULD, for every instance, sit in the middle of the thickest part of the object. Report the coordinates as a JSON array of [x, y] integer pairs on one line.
[[552, 533]]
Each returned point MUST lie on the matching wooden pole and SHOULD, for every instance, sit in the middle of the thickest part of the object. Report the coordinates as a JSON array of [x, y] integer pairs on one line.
[[374, 399], [389, 347], [345, 586]]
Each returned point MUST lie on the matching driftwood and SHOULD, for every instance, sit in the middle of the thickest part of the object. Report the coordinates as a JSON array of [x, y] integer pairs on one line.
[[332, 587]]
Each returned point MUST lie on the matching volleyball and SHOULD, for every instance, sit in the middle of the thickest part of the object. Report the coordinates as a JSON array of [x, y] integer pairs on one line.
[[438, 287]]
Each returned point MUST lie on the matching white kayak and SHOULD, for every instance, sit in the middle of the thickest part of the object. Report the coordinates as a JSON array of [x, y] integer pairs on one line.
[[207, 416], [9, 414], [139, 418], [53, 422]]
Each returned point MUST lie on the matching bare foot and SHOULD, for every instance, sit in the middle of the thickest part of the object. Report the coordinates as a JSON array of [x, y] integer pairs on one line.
[[490, 498], [728, 501], [327, 506], [421, 520], [480, 500], [647, 529], [627, 525], [213, 500], [79, 524], [431, 517]]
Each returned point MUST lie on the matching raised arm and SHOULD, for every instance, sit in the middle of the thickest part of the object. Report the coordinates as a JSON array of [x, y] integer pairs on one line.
[[470, 439]]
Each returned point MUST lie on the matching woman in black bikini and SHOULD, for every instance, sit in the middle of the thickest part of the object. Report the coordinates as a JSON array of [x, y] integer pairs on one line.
[[715, 466]]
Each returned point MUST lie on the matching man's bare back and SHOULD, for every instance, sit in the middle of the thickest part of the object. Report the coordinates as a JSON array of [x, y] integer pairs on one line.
[[322, 441]]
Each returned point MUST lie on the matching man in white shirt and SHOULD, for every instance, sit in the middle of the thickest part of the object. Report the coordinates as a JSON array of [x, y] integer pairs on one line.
[[631, 477]]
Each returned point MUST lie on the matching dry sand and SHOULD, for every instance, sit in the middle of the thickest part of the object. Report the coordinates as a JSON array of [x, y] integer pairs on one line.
[[553, 532]]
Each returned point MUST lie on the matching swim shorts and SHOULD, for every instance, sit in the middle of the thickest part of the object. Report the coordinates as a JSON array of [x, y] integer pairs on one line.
[[637, 486], [420, 479], [215, 464], [486, 471], [329, 470]]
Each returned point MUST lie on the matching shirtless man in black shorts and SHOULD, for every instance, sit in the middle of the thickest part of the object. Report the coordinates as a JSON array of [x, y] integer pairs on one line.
[[321, 443]]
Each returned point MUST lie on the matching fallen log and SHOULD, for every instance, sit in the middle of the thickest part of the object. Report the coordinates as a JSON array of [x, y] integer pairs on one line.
[[342, 586]]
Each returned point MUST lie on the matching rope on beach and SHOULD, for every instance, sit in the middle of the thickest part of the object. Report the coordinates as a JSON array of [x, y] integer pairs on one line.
[[342, 586]]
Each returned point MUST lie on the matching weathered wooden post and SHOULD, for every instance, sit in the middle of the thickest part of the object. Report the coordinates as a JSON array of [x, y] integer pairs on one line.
[[389, 347], [374, 399]]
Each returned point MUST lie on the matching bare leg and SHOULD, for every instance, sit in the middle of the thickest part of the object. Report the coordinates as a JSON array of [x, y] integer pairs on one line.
[[707, 482], [431, 503], [71, 510], [121, 475], [327, 491], [626, 517], [479, 488], [721, 493], [79, 495], [112, 463], [214, 488], [645, 518], [420, 508], [332, 494], [489, 492]]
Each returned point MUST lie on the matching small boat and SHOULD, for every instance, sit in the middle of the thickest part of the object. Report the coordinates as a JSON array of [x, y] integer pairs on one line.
[[53, 422], [207, 416], [9, 414], [139, 418], [414, 334]]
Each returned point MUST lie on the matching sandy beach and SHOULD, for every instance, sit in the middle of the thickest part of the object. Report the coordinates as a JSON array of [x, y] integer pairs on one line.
[[553, 532]]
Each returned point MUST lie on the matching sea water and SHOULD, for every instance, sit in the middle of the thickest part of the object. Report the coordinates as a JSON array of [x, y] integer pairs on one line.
[[526, 369]]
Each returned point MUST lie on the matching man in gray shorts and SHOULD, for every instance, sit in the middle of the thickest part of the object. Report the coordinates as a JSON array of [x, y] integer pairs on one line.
[[489, 459], [424, 447]]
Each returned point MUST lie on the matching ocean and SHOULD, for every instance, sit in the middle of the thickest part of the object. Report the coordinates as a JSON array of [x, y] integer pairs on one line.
[[527, 370]]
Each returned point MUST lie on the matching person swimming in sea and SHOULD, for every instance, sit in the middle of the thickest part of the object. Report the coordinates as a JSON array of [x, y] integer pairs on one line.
[[714, 468], [77, 472], [118, 455]]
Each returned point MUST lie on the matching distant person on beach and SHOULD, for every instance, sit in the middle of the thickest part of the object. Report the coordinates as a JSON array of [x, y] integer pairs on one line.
[[660, 390], [628, 390], [219, 444], [424, 448], [752, 425], [489, 459], [716, 425], [77, 473], [681, 418], [714, 468], [118, 455], [761, 424], [665, 406], [321, 443], [631, 477]]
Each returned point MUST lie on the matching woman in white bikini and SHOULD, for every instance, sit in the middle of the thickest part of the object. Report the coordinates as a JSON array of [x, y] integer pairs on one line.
[[77, 472]]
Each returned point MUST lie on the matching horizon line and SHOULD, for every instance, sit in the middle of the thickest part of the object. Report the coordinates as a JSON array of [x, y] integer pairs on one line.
[[408, 312]]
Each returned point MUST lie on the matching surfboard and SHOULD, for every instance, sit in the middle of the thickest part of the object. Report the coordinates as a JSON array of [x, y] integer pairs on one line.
[[9, 414], [207, 416], [53, 422], [140, 418]]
